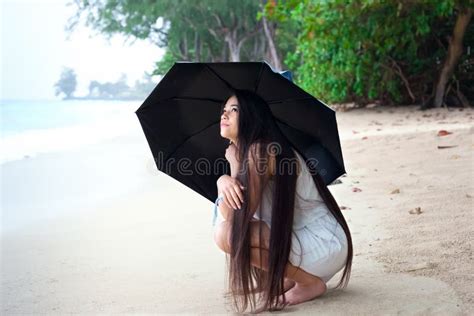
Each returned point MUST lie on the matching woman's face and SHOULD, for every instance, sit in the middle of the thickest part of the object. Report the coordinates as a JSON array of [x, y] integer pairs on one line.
[[230, 119]]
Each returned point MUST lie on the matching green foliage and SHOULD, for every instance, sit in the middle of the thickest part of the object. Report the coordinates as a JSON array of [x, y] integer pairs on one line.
[[189, 30], [339, 50], [359, 51], [67, 83], [120, 89]]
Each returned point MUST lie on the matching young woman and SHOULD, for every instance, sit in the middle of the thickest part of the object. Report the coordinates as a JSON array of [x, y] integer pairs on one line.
[[283, 229]]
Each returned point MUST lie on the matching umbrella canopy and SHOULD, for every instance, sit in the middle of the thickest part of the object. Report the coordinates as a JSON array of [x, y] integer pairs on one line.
[[181, 120]]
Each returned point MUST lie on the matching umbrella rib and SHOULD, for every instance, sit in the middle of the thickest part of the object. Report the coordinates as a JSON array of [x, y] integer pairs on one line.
[[329, 152], [197, 99], [186, 139], [258, 79], [226, 83], [197, 188]]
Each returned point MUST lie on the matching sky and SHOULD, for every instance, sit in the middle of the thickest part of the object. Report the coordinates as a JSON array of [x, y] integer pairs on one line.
[[34, 48]]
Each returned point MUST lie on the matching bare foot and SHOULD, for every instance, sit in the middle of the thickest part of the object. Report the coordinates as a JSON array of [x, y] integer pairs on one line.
[[300, 293], [288, 284]]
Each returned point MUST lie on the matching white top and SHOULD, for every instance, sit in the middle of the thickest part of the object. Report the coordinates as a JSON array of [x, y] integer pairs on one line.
[[309, 204]]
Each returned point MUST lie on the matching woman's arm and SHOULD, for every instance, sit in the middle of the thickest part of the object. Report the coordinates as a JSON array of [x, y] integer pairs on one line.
[[227, 205], [228, 186], [258, 179]]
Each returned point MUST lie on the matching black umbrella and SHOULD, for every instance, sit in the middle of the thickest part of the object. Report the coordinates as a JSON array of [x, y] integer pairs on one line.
[[181, 120]]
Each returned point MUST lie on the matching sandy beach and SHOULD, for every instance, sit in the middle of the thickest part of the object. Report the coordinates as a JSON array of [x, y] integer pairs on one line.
[[100, 231]]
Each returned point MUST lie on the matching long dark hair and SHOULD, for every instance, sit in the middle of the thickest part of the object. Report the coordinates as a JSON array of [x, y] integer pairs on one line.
[[257, 126]]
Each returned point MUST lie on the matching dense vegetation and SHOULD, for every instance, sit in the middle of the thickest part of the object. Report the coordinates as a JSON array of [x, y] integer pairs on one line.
[[362, 51]]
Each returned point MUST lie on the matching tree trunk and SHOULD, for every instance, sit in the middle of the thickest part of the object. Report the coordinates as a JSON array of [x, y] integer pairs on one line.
[[197, 47], [454, 52], [234, 47], [269, 34]]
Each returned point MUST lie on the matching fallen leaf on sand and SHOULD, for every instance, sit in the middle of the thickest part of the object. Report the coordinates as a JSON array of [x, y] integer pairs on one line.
[[416, 210], [443, 132], [356, 189], [395, 191], [443, 147], [365, 137]]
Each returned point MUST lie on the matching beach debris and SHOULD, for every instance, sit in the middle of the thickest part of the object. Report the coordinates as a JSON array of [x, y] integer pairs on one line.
[[395, 191], [443, 132], [354, 132], [455, 157], [355, 189], [443, 147], [344, 207], [416, 210], [412, 174], [468, 195], [422, 265], [375, 169], [365, 137], [379, 129], [337, 181], [426, 115]]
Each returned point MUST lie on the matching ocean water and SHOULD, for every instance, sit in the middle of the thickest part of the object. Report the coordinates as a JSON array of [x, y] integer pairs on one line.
[[81, 155], [36, 126]]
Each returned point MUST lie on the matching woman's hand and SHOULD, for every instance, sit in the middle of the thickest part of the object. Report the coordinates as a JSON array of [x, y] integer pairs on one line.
[[231, 190]]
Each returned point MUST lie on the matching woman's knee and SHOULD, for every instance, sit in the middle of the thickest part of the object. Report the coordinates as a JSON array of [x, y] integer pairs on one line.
[[259, 229], [222, 236]]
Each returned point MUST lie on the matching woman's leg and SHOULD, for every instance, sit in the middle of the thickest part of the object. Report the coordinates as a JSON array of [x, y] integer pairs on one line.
[[307, 286]]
